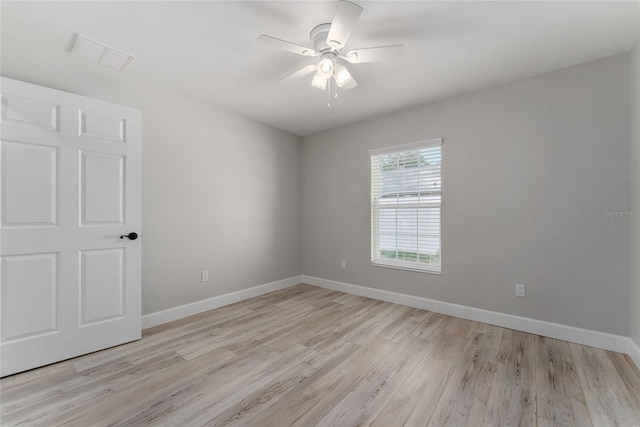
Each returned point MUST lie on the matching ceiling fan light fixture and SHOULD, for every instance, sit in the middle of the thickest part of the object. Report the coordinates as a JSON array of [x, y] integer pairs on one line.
[[342, 75], [328, 40], [319, 81], [325, 67], [349, 85]]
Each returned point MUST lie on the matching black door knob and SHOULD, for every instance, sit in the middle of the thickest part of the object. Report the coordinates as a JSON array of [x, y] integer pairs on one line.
[[130, 236]]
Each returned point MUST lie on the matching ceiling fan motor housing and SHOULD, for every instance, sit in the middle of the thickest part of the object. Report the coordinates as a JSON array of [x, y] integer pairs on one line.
[[319, 38]]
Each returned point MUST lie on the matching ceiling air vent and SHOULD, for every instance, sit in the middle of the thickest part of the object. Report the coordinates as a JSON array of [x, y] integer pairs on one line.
[[84, 47]]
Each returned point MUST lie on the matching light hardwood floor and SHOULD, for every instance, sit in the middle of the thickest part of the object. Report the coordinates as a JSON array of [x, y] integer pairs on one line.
[[308, 356]]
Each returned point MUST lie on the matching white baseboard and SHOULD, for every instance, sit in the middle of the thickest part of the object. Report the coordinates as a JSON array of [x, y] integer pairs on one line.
[[617, 343], [169, 315], [634, 353]]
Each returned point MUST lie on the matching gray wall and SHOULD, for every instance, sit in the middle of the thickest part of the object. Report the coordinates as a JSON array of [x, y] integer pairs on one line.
[[219, 192], [529, 169], [635, 194]]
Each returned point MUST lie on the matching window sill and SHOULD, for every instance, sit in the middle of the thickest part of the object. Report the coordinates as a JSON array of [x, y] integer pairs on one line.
[[405, 267]]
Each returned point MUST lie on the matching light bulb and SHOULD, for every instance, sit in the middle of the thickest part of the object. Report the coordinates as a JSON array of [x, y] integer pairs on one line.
[[325, 67]]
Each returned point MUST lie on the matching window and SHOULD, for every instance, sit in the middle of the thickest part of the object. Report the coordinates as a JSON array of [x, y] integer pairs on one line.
[[405, 206]]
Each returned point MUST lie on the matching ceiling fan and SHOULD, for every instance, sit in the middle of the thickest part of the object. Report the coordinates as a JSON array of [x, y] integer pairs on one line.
[[328, 41]]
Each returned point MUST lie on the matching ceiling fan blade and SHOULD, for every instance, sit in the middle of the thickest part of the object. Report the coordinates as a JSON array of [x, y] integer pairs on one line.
[[375, 54], [300, 73], [344, 19], [273, 42]]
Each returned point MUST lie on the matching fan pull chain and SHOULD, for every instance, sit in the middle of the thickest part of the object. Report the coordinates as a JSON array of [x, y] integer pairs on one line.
[[329, 92]]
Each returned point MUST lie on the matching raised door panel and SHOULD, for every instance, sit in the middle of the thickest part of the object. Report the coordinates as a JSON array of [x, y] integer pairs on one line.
[[30, 112], [29, 184], [29, 295], [102, 189], [102, 126], [102, 285]]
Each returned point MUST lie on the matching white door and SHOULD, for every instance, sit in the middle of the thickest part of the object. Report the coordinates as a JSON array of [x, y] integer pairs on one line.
[[70, 183]]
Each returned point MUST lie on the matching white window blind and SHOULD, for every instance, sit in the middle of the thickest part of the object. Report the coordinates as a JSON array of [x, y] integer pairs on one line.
[[406, 184]]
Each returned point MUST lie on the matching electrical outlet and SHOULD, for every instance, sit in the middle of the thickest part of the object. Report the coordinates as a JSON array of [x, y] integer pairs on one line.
[[204, 276], [343, 264], [519, 290]]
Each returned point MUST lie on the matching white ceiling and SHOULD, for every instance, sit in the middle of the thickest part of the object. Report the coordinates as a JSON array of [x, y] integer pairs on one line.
[[207, 49]]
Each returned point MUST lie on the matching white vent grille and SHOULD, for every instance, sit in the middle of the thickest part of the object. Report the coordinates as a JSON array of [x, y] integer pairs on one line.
[[87, 48]]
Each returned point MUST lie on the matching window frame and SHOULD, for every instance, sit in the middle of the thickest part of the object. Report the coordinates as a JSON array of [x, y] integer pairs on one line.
[[376, 260]]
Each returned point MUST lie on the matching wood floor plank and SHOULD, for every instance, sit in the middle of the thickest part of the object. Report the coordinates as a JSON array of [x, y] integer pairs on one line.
[[325, 386], [215, 391], [433, 323], [629, 373], [250, 410], [364, 401], [605, 392], [148, 394], [48, 394], [232, 334], [304, 331], [402, 327], [308, 356], [323, 395], [513, 392], [414, 403], [164, 340], [560, 398], [55, 411], [23, 385], [464, 400], [263, 385], [372, 327], [462, 328], [355, 316], [605, 420]]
